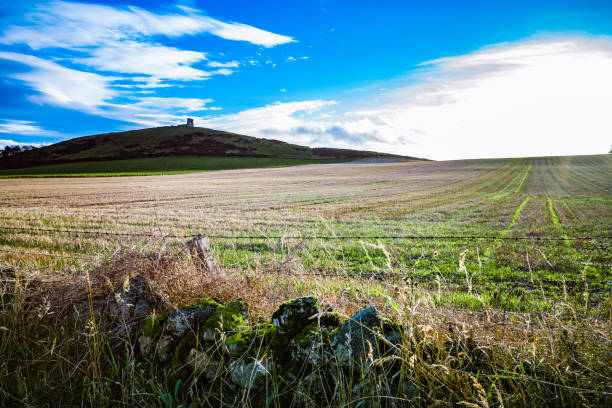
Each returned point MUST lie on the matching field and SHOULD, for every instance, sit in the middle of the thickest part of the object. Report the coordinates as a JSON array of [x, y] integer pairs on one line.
[[480, 244], [152, 166]]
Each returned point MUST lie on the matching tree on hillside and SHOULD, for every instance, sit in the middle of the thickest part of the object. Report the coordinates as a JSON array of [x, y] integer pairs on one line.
[[9, 151]]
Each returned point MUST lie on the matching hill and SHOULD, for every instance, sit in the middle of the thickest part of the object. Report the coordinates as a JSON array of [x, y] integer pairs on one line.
[[173, 141]]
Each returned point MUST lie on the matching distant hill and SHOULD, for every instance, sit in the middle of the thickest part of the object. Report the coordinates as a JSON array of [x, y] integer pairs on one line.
[[176, 141]]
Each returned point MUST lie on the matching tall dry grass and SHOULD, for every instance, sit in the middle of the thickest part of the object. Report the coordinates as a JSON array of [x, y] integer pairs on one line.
[[58, 350]]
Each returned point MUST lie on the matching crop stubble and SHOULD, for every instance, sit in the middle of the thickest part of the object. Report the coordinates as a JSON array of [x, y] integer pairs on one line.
[[497, 197]]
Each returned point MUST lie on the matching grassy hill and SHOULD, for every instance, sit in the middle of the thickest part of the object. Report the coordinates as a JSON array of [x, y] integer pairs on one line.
[[140, 152]]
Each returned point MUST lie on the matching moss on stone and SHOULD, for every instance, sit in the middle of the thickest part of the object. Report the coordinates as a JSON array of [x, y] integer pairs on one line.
[[153, 326], [180, 349], [242, 339], [206, 302], [228, 317], [262, 338], [304, 338]]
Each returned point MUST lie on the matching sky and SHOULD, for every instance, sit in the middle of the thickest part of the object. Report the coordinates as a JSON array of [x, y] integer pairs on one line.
[[438, 79]]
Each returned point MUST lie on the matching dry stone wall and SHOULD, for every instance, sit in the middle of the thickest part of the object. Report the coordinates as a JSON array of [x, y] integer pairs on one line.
[[305, 346]]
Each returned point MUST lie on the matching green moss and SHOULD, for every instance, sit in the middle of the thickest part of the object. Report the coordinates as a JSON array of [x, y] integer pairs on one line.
[[304, 338], [228, 317], [205, 302], [153, 326], [185, 344], [263, 338], [240, 338]]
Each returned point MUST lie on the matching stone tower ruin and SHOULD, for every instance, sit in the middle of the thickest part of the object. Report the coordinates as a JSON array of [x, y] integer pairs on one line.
[[189, 122]]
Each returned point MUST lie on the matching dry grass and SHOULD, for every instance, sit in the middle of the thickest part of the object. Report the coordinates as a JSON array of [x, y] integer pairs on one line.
[[519, 358]]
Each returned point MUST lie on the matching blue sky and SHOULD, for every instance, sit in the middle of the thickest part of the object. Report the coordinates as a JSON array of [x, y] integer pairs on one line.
[[436, 79]]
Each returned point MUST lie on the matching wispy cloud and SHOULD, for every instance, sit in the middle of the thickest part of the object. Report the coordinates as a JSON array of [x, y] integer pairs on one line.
[[229, 64], [158, 62], [540, 96], [62, 24], [22, 127], [93, 93], [123, 39], [61, 86], [544, 96], [298, 122], [101, 59], [186, 104]]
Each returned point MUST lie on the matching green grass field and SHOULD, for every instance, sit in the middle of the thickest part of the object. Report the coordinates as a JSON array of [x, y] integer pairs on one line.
[[153, 166]]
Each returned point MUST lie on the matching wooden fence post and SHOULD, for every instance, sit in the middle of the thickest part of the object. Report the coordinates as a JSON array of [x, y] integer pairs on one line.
[[199, 249]]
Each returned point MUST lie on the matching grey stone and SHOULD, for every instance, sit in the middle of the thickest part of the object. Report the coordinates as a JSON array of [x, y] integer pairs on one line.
[[251, 375], [186, 319], [164, 349], [357, 339], [202, 363], [312, 346], [292, 317], [133, 300], [146, 345]]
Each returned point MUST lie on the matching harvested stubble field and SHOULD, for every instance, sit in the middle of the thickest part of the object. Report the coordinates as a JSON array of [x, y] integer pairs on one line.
[[514, 253]]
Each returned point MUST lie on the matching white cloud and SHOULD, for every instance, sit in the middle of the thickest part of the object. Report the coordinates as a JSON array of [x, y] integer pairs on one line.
[[70, 24], [92, 93], [125, 40], [22, 127], [159, 62], [283, 116], [61, 86], [528, 98], [297, 122], [229, 64], [222, 71], [538, 97], [243, 32], [8, 142], [185, 104], [120, 45]]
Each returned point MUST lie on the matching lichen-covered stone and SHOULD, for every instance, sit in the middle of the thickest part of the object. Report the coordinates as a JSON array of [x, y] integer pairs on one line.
[[226, 318], [180, 352], [202, 363], [164, 349], [153, 326], [291, 317], [150, 332], [250, 374], [231, 348], [188, 318], [134, 299], [311, 345], [258, 340], [308, 389], [146, 345], [356, 341]]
